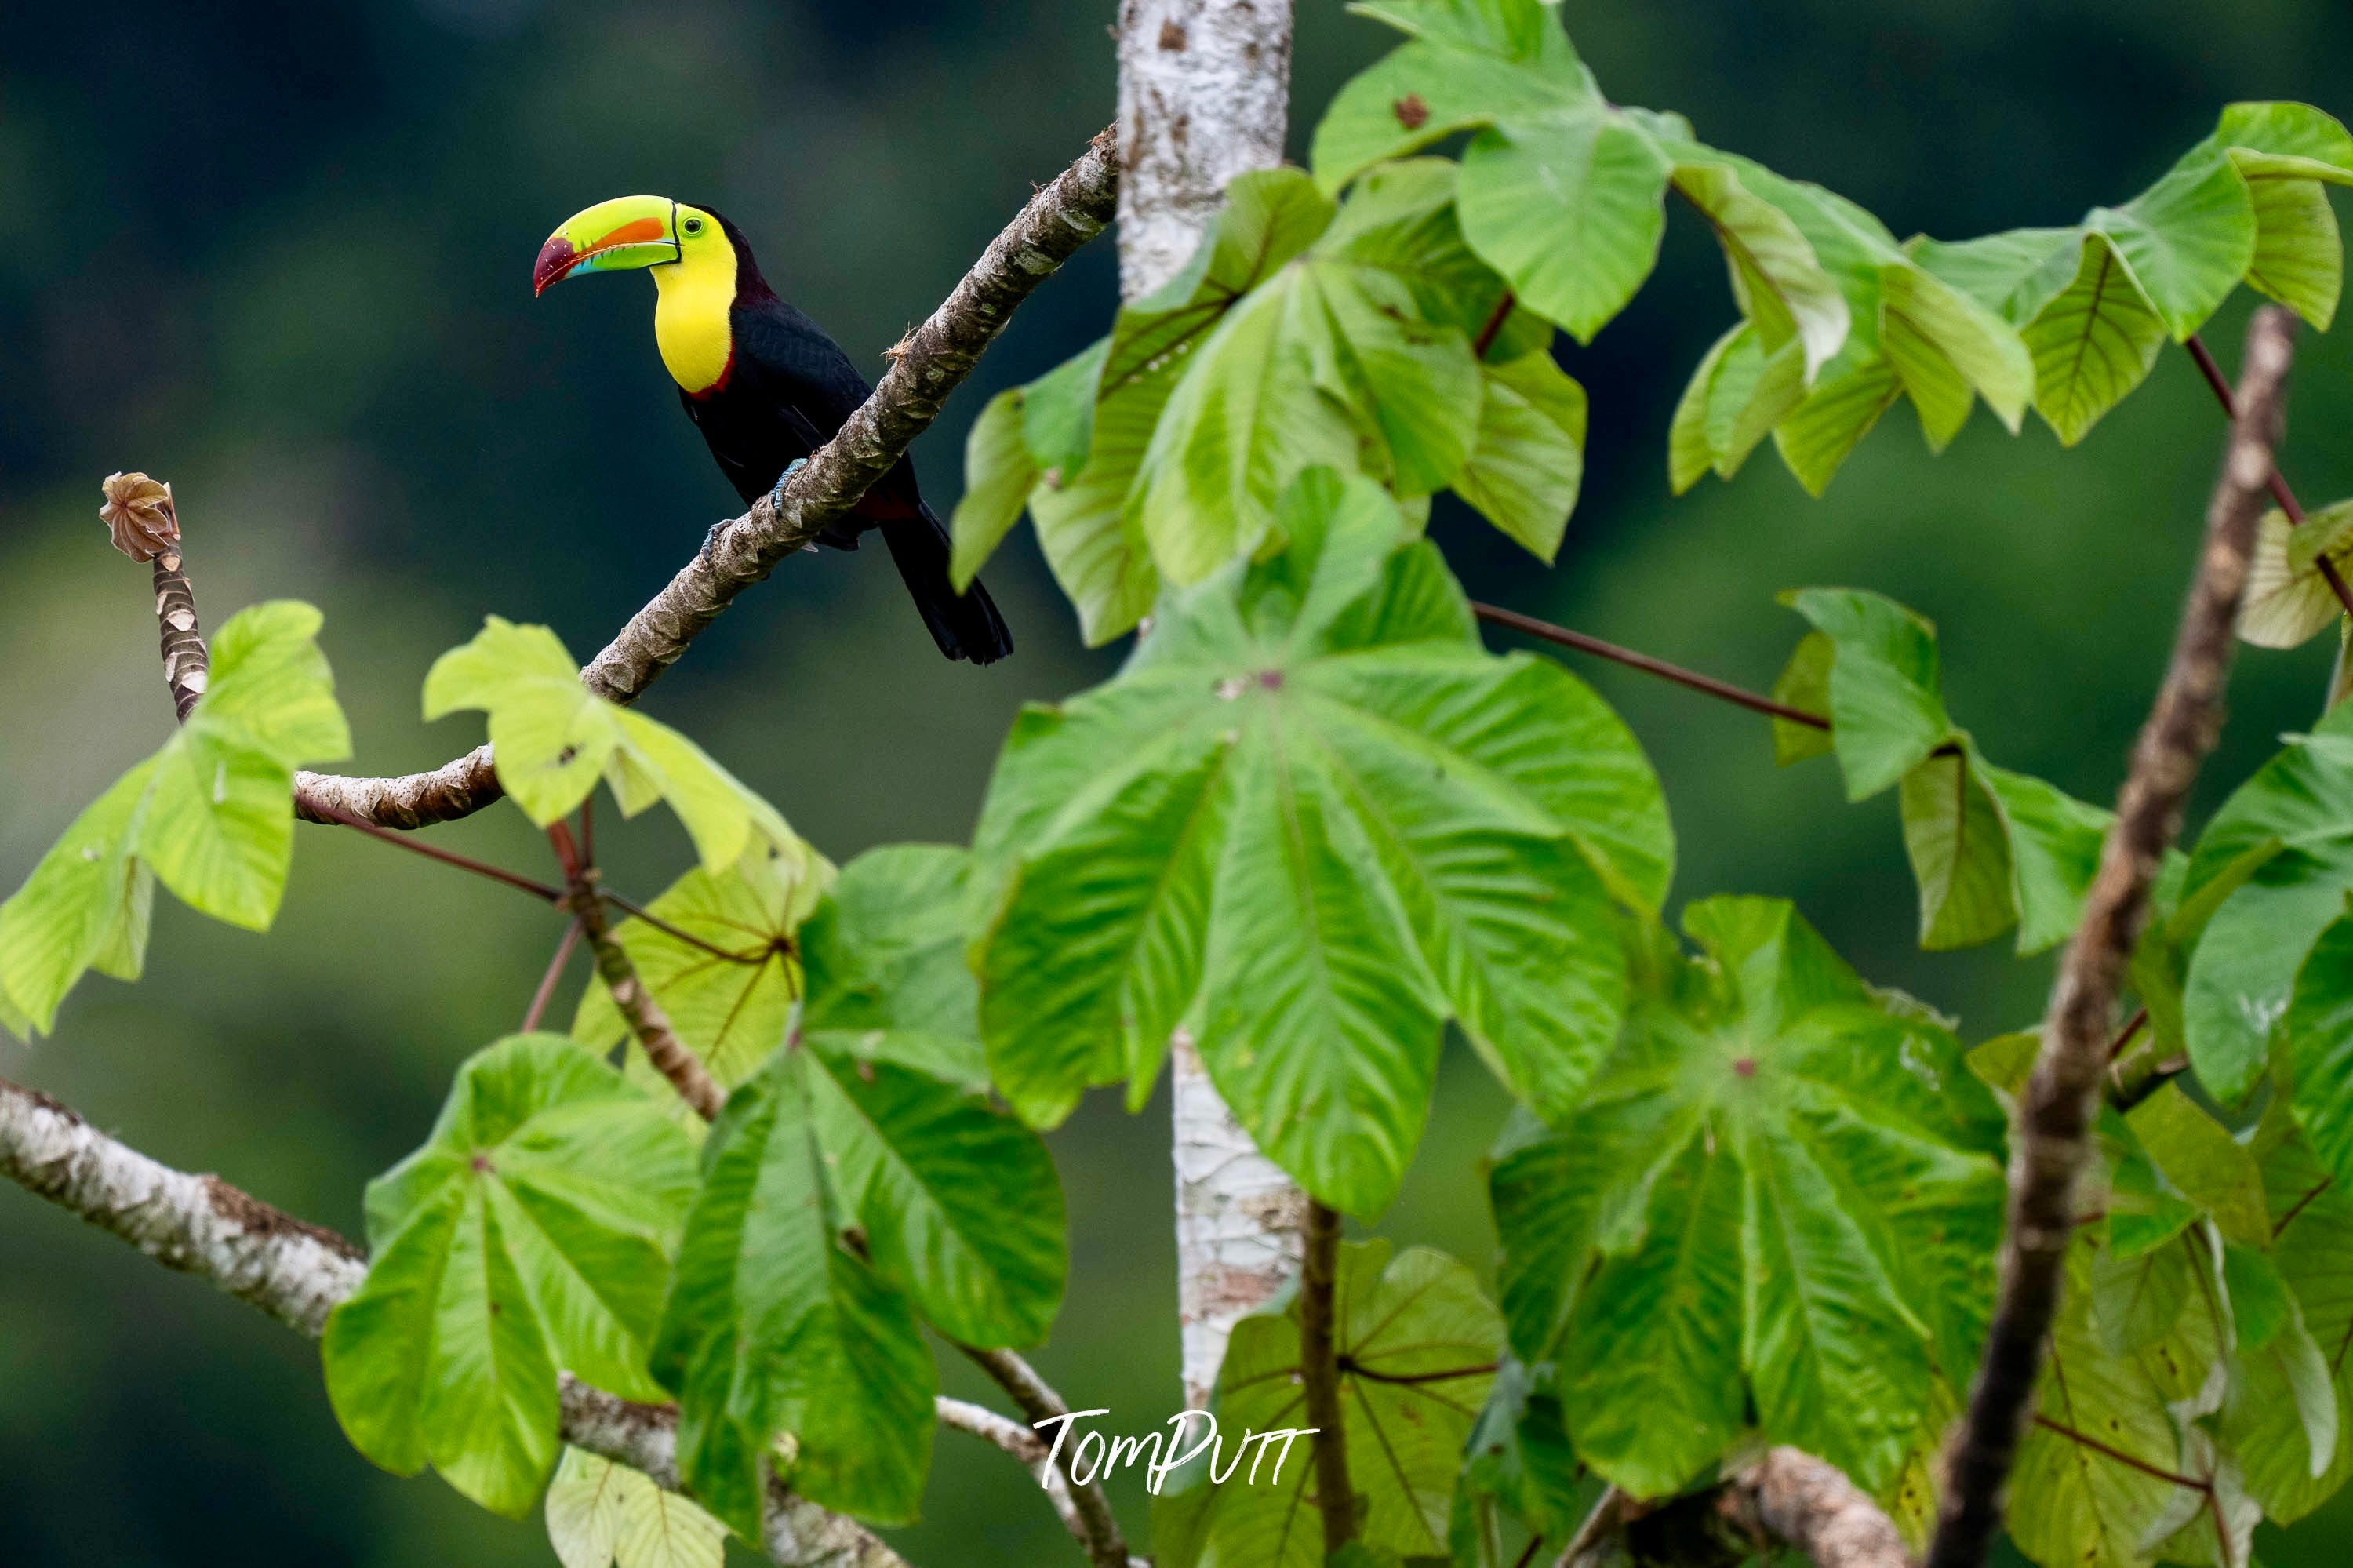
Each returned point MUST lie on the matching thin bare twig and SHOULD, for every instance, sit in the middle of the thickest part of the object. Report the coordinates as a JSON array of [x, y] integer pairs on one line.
[[546, 991], [2050, 1144], [1319, 1376], [447, 857], [1097, 1529], [1063, 215], [639, 912], [1584, 643], [1026, 1447]]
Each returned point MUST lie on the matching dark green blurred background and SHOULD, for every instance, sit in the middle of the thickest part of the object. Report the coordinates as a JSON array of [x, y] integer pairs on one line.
[[279, 253]]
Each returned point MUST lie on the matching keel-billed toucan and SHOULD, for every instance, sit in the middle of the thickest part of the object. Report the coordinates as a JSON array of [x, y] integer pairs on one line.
[[766, 387]]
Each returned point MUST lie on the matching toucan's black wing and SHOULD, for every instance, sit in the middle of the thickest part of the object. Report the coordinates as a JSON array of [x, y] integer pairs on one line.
[[788, 389]]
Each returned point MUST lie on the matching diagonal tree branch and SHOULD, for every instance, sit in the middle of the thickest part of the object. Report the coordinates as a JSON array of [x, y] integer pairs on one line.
[[926, 368], [2050, 1144], [297, 1273]]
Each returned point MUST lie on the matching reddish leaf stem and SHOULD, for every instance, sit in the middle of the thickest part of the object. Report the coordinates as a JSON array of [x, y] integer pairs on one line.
[[638, 911], [1487, 333], [2277, 482], [1545, 631], [430, 851], [546, 991]]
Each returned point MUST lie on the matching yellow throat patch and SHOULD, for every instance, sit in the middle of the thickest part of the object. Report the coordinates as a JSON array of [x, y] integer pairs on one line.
[[693, 295]]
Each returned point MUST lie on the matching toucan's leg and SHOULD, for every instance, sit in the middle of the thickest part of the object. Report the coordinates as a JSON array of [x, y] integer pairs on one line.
[[776, 496]]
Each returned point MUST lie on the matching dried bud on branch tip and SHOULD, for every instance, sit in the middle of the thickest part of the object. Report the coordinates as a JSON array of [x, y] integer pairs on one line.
[[139, 514]]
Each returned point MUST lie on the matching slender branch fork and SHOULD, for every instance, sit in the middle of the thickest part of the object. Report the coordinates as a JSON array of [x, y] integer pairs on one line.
[[2050, 1144]]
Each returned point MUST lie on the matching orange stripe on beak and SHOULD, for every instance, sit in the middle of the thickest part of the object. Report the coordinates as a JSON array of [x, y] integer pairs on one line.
[[557, 256]]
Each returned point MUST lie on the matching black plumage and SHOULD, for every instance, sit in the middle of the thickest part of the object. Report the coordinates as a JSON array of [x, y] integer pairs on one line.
[[786, 391]]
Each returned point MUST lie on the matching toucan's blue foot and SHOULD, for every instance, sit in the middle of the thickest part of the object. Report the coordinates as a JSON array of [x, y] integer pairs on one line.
[[776, 496], [710, 540]]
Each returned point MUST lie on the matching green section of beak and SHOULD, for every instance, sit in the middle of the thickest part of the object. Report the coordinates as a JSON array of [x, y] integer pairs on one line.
[[612, 236]]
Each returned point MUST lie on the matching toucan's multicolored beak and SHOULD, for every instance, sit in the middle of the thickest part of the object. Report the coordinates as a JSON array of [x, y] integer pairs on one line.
[[611, 237]]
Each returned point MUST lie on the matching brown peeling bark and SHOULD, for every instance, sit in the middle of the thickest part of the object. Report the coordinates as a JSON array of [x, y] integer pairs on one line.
[[1319, 1377], [187, 665], [647, 1022], [2050, 1145]]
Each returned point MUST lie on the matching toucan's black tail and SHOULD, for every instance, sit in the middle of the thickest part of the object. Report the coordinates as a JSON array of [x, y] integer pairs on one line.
[[965, 625]]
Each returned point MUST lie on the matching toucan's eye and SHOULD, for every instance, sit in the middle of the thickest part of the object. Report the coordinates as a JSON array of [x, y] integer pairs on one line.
[[692, 225]]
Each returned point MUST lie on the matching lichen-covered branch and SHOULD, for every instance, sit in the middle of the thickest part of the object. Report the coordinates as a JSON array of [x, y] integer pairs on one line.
[[457, 788], [1026, 1447], [298, 1272], [197, 1225], [928, 366], [2050, 1145], [645, 1437]]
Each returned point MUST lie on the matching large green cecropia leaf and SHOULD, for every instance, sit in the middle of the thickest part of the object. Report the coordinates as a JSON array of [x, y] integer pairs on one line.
[[1990, 849], [2095, 301], [552, 739], [1310, 821], [2284, 840], [211, 815], [530, 1234], [1417, 1343], [1067, 444], [1779, 1199], [858, 1180], [1300, 333], [779, 1324]]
